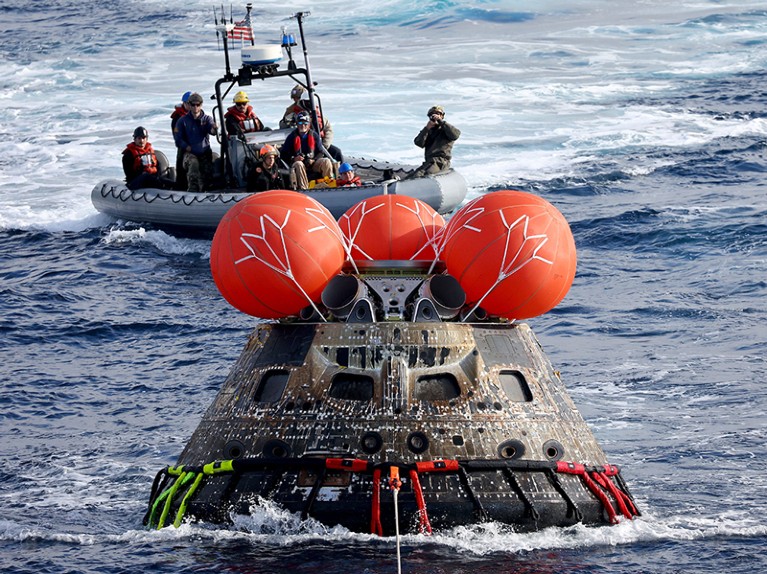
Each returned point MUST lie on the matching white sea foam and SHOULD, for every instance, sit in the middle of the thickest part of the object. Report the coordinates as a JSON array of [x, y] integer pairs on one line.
[[159, 239]]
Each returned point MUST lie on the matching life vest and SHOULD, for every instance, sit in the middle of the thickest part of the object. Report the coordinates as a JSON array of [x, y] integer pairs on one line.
[[354, 182], [323, 182], [144, 158], [178, 112], [310, 142], [298, 108], [247, 120]]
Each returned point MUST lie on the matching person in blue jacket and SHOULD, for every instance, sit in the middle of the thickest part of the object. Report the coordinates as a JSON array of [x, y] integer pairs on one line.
[[192, 134]]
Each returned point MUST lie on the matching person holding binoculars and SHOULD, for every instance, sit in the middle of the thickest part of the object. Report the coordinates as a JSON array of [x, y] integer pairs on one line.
[[436, 138]]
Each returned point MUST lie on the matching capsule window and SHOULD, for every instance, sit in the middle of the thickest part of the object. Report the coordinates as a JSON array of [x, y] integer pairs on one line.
[[515, 386], [437, 387], [351, 387], [271, 386]]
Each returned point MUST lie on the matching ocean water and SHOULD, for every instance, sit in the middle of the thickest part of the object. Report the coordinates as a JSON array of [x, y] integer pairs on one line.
[[643, 121]]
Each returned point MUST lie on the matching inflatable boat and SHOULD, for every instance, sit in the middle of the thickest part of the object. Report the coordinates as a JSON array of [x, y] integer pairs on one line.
[[202, 211], [392, 388]]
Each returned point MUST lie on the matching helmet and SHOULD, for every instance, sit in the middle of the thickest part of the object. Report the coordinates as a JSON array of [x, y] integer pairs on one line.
[[195, 98], [435, 110], [344, 167], [140, 132], [297, 91], [185, 97], [268, 149], [302, 117], [241, 98]]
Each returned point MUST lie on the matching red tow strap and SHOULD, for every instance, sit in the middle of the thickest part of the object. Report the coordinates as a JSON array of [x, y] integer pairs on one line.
[[598, 482], [423, 518], [375, 518]]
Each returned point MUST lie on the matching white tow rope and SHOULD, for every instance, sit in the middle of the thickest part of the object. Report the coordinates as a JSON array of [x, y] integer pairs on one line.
[[396, 531], [395, 484]]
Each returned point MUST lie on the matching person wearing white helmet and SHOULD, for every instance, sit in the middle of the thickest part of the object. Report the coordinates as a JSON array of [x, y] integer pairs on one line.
[[240, 118], [436, 138], [266, 174]]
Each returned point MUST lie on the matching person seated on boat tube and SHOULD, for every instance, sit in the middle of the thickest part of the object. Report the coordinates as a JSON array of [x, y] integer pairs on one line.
[[179, 111], [346, 176], [193, 133], [240, 118], [436, 138], [140, 163], [304, 153], [300, 105], [266, 174]]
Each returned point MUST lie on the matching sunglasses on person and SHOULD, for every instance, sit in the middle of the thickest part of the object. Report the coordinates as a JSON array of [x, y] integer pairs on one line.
[[195, 105]]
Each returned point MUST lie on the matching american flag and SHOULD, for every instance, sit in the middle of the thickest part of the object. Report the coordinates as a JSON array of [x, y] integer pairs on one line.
[[242, 30]]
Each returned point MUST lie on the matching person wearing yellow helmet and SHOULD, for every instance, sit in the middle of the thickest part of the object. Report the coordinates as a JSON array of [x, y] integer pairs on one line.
[[436, 138], [240, 118]]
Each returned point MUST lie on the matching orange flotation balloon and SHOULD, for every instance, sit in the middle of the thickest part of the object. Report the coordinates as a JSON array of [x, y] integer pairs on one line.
[[512, 252], [274, 252], [394, 227]]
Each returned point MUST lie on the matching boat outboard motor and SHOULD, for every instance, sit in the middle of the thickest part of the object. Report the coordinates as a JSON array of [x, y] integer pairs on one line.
[[346, 293], [445, 295]]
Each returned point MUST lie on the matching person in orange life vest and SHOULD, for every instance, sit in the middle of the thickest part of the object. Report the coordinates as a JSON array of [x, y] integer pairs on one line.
[[266, 175], [179, 111], [140, 163], [303, 151], [346, 176], [193, 133], [241, 118]]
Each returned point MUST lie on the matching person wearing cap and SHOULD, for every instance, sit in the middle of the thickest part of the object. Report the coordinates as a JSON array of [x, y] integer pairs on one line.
[[179, 111], [240, 118], [192, 135], [301, 104], [266, 174], [140, 163], [346, 176], [303, 152], [436, 138]]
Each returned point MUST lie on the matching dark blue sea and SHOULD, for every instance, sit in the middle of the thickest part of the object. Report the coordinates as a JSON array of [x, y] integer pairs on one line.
[[644, 122]]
